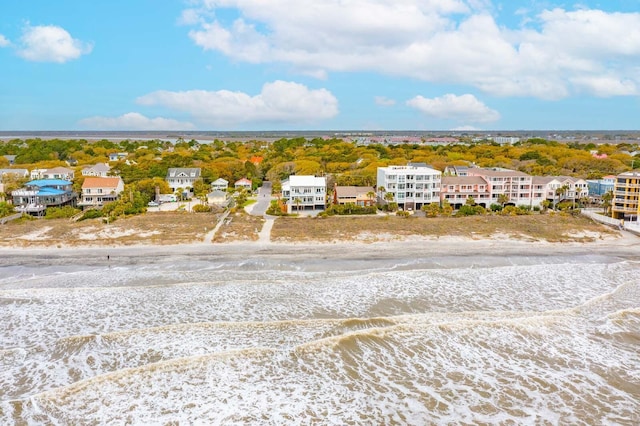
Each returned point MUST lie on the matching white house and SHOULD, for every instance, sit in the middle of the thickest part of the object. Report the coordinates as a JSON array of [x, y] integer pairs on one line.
[[412, 186], [219, 184], [63, 173], [305, 192], [100, 170], [182, 178], [96, 191], [217, 197]]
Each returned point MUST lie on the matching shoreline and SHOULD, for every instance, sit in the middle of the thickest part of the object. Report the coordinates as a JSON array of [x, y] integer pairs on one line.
[[624, 245]]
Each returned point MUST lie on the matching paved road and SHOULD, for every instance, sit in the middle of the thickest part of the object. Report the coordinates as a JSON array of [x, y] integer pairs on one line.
[[264, 199]]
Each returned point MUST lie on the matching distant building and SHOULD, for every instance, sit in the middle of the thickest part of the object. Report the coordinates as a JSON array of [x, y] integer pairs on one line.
[[243, 183], [20, 173], [99, 170], [220, 184], [11, 159], [505, 140], [63, 173], [115, 156]]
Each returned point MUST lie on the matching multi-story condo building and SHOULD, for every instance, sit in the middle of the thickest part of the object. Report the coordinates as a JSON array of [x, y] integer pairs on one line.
[[517, 186], [412, 186], [304, 192], [557, 189], [457, 189], [626, 196]]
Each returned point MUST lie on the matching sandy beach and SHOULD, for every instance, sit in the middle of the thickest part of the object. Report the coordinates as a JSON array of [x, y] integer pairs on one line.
[[622, 244]]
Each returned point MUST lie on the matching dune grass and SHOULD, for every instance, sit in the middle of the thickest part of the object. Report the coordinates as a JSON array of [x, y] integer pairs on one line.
[[549, 227]]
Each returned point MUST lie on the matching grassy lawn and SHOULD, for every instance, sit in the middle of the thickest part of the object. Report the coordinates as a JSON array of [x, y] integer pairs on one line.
[[552, 228], [239, 227]]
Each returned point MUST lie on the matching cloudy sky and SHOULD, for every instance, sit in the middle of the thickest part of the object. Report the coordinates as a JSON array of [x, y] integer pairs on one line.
[[319, 64]]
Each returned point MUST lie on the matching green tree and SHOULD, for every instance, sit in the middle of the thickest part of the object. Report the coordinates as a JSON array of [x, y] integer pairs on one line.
[[6, 209], [607, 197], [503, 199]]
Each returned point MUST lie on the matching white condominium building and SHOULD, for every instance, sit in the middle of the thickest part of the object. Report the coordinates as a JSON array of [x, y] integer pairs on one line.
[[305, 192], [412, 186]]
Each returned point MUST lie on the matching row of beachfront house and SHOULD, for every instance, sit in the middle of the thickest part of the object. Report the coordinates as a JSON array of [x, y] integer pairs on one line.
[[411, 187], [54, 188]]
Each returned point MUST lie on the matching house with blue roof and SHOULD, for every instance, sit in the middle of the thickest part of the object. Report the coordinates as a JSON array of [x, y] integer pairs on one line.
[[39, 194]]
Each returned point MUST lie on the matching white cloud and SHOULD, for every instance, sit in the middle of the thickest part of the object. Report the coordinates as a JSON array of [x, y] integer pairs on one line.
[[134, 121], [383, 101], [278, 102], [189, 17], [3, 41], [464, 108], [49, 43], [452, 41]]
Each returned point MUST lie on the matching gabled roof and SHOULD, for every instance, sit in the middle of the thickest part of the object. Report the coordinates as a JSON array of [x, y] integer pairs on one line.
[[220, 181], [58, 170], [463, 180], [217, 194], [100, 167], [101, 182], [303, 180], [243, 181], [23, 172], [353, 191], [191, 172]]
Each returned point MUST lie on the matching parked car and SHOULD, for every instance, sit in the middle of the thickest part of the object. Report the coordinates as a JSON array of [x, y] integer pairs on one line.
[[153, 204]]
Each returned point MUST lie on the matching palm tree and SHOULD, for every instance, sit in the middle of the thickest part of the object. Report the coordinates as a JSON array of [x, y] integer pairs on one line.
[[371, 195], [297, 201], [503, 199], [606, 202], [559, 192], [470, 201]]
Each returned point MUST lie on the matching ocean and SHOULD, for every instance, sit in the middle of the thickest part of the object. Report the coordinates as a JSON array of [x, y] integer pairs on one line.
[[337, 340]]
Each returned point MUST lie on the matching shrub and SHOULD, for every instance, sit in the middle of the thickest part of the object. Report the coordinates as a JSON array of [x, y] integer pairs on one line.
[[468, 210], [431, 210], [61, 212], [201, 208], [349, 209], [6, 209], [91, 214], [496, 207], [403, 213]]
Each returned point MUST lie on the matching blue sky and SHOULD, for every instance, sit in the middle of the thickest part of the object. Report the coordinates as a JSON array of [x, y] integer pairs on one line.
[[321, 65]]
